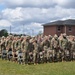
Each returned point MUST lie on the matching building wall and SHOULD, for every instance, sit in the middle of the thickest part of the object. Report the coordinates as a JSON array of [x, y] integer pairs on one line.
[[51, 30], [61, 31], [70, 32]]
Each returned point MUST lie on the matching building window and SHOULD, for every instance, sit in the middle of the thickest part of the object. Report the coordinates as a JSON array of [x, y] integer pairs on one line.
[[58, 28], [69, 28]]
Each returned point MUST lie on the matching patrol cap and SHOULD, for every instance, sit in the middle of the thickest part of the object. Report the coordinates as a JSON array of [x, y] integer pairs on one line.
[[3, 37], [45, 37], [50, 36], [55, 36], [64, 34], [31, 40], [22, 36]]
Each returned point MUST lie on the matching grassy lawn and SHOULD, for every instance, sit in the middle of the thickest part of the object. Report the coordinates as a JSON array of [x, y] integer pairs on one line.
[[62, 68]]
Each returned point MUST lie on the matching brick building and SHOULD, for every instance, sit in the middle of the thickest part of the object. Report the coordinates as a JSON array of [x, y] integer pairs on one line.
[[58, 27]]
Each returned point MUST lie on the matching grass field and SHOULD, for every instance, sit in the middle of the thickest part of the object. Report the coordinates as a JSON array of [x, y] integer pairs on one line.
[[62, 68]]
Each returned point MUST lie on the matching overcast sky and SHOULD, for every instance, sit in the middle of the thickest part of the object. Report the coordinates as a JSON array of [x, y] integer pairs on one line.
[[33, 13]]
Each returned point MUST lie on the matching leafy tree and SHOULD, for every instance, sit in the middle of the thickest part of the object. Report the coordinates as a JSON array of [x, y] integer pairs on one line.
[[3, 32]]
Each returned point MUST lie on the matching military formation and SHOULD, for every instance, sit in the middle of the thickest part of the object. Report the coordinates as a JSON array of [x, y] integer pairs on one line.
[[38, 49]]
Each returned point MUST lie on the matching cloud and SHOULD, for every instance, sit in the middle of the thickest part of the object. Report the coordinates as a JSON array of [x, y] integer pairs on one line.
[[28, 15], [39, 3], [31, 29], [29, 3], [33, 13], [12, 14], [5, 23], [0, 1], [34, 17], [65, 3]]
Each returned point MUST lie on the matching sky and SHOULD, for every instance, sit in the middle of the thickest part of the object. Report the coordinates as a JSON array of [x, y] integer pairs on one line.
[[31, 14]]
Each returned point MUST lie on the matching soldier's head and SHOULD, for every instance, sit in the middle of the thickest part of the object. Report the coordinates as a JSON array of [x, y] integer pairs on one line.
[[50, 37], [55, 37], [35, 41], [64, 35], [31, 40], [3, 37], [71, 38], [45, 38]]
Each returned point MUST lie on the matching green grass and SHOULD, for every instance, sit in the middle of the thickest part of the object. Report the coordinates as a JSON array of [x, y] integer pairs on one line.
[[62, 68]]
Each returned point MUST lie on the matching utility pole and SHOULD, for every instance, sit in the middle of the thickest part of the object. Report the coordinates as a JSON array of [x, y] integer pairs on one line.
[[10, 29], [23, 29]]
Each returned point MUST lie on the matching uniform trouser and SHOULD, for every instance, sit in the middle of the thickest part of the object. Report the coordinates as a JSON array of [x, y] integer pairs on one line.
[[34, 57], [45, 57], [49, 56], [26, 57], [73, 55], [67, 54], [4, 55]]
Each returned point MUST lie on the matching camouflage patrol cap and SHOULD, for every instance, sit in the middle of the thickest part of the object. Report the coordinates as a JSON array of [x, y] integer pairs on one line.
[[22, 36], [55, 36], [64, 34], [28, 37], [50, 36], [31, 40], [3, 37], [45, 37], [45, 47], [10, 35]]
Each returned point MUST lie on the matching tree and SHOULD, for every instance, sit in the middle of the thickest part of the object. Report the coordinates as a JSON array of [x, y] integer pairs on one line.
[[3, 32]]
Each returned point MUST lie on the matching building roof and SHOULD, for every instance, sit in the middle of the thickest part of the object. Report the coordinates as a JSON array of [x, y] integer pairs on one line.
[[60, 22]]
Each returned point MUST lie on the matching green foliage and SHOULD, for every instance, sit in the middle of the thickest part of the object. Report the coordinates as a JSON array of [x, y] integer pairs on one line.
[[3, 32], [60, 68]]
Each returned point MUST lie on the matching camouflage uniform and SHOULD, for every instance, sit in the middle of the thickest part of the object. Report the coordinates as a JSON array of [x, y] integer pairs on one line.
[[55, 45], [72, 49], [45, 53], [61, 52], [35, 52], [46, 45], [20, 56], [26, 46], [40, 56], [4, 53], [2, 43], [64, 45], [9, 54]]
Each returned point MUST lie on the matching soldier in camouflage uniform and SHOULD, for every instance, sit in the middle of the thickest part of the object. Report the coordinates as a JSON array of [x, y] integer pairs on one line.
[[9, 54], [50, 51], [31, 48], [0, 46], [2, 42], [46, 45], [55, 45], [4, 53], [10, 42], [26, 46], [72, 52], [35, 52], [23, 47], [64, 45], [40, 56], [20, 56], [14, 49], [61, 52]]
